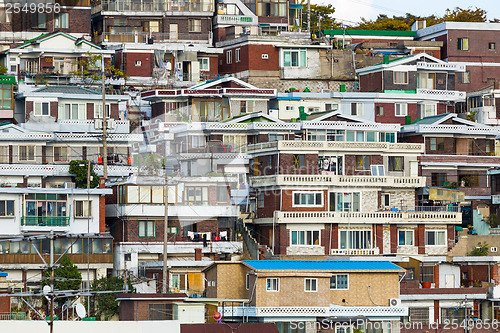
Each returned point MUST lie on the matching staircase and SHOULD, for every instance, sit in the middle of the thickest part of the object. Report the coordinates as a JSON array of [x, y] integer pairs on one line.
[[460, 248], [252, 248]]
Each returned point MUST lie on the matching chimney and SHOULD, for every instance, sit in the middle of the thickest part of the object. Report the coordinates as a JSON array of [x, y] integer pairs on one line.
[[197, 254]]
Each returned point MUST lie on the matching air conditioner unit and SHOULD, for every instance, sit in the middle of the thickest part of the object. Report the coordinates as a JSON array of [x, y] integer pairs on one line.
[[325, 90], [394, 302], [494, 249]]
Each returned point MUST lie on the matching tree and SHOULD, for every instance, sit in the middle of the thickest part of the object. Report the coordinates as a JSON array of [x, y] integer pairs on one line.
[[383, 22], [79, 168], [319, 13], [104, 305], [481, 250], [89, 69], [66, 277], [465, 15]]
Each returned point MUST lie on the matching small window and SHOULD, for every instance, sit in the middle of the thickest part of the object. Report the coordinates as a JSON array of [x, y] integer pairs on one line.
[[400, 77], [356, 109], [310, 285], [385, 199], [377, 170], [138, 63], [437, 144], [405, 237], [26, 153], [61, 154], [6, 207], [204, 64], [127, 256], [41, 109], [339, 281], [272, 284], [463, 44], [221, 194], [229, 57], [401, 109], [304, 237], [194, 25], [61, 20], [38, 20], [491, 46], [435, 237], [147, 229], [379, 110], [247, 281], [363, 162], [396, 163], [289, 108], [464, 78], [307, 198], [438, 179], [260, 199], [237, 55], [83, 208], [299, 161]]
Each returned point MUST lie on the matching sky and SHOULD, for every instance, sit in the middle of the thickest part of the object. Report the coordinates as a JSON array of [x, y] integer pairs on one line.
[[352, 10]]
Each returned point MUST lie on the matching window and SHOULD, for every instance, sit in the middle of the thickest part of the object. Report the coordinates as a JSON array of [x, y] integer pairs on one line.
[[127, 257], [138, 63], [83, 208], [463, 44], [196, 195], [5, 16], [308, 237], [47, 208], [61, 154], [98, 111], [198, 141], [247, 281], [26, 153], [4, 154], [419, 315], [385, 199], [438, 179], [299, 161], [307, 198], [260, 199], [61, 20], [355, 239], [331, 107], [426, 81], [400, 109], [194, 25], [237, 55], [435, 237], [437, 144], [41, 109], [363, 162], [454, 315], [491, 46], [74, 111], [400, 77], [204, 64], [229, 57], [6, 207], [348, 202], [356, 109], [463, 78], [150, 26], [272, 284], [405, 237], [377, 170], [310, 285], [387, 137], [468, 180], [221, 194], [427, 110], [379, 110], [289, 108], [396, 163], [339, 281], [38, 20], [294, 58], [147, 229], [6, 94]]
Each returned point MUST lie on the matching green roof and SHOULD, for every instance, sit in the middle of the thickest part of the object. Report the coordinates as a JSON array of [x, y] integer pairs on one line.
[[431, 119], [370, 32]]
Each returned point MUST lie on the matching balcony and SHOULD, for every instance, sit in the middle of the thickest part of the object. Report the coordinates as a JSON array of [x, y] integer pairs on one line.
[[235, 19], [441, 66], [446, 95], [181, 211], [452, 129], [300, 145], [355, 252], [152, 6], [368, 217], [45, 221], [144, 37], [337, 180], [60, 170]]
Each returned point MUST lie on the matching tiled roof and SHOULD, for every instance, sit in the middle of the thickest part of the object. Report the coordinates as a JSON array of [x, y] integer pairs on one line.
[[70, 90], [328, 265]]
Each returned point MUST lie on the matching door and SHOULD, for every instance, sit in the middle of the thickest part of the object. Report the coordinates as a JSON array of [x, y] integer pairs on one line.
[[413, 168], [449, 281], [174, 31]]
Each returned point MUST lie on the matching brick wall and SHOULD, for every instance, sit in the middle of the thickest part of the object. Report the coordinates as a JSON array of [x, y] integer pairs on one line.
[[287, 167], [90, 110], [272, 202], [78, 21], [420, 238], [250, 59], [350, 164], [287, 202], [29, 109], [371, 82], [139, 64]]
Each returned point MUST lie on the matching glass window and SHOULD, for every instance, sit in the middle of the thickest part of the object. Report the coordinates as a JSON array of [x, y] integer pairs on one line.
[[147, 229], [396, 163], [41, 109], [307, 198], [371, 137], [61, 154], [272, 284], [26, 153], [339, 281], [194, 25], [229, 57], [299, 161], [463, 44], [61, 20], [310, 285], [348, 202], [438, 179], [401, 109], [6, 207], [437, 144], [400, 77], [83, 208], [222, 194], [204, 64], [309, 237], [435, 238], [355, 239], [363, 162], [405, 237], [294, 58], [379, 110], [132, 194]]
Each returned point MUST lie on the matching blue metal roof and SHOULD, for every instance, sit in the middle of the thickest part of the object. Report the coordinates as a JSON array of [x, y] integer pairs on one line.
[[2, 274], [328, 265]]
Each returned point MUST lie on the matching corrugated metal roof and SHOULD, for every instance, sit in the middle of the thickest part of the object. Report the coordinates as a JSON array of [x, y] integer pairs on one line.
[[72, 90], [328, 265]]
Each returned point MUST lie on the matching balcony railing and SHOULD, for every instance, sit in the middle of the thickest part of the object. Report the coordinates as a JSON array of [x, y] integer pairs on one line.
[[338, 180], [441, 66], [337, 145], [443, 94], [13, 316], [45, 221], [154, 6], [356, 252], [143, 37], [457, 129], [60, 170], [392, 217]]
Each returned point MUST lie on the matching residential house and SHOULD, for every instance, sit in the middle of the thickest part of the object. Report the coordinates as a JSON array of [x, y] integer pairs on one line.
[[307, 293]]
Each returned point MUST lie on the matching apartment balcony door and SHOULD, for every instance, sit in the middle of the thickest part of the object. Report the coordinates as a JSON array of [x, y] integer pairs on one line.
[[174, 31], [427, 81]]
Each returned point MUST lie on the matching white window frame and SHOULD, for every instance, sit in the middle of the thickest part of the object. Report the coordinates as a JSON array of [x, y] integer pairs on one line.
[[400, 109], [311, 280], [435, 238], [38, 109], [82, 112], [61, 21], [8, 212], [204, 64], [358, 110], [350, 235], [27, 153], [406, 233], [68, 150], [301, 58], [300, 204], [229, 57], [350, 196], [336, 284], [305, 237], [98, 111], [194, 25], [86, 208], [383, 199], [276, 284], [423, 109], [237, 55], [400, 77]]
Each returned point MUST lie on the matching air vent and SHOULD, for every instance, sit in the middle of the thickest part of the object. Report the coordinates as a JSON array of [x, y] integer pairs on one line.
[[265, 56]]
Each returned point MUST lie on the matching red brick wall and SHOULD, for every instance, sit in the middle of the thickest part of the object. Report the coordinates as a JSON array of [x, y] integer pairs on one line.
[[5, 304], [272, 201], [451, 237], [379, 237], [420, 238], [389, 115], [250, 59], [114, 110], [350, 164], [325, 238], [29, 109], [371, 82], [335, 236], [287, 168], [102, 214], [53, 109], [90, 110], [146, 67], [79, 21], [436, 276], [394, 238], [283, 241]]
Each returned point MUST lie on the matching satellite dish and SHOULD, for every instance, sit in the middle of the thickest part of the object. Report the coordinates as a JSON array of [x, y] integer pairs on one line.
[[80, 310], [46, 289]]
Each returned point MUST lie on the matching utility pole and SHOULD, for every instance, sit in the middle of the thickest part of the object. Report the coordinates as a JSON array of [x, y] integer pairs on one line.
[[89, 212], [309, 17], [104, 124], [165, 235], [51, 324]]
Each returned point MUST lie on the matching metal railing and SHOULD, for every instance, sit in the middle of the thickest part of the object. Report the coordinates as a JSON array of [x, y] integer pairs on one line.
[[45, 221], [12, 316], [146, 37], [154, 6]]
